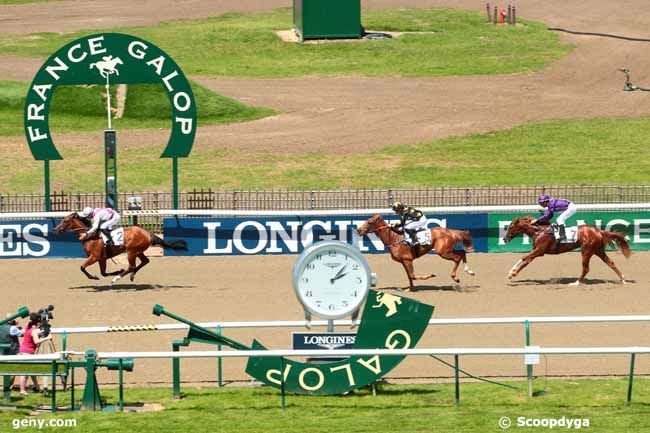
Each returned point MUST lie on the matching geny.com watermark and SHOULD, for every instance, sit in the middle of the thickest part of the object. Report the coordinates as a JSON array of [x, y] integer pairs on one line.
[[550, 423], [42, 423]]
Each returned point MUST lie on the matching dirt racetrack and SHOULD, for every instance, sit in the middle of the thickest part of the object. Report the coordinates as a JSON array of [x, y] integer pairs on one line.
[[253, 288]]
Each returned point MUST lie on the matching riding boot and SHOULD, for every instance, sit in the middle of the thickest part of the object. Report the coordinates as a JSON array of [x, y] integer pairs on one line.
[[413, 236], [109, 242], [562, 232]]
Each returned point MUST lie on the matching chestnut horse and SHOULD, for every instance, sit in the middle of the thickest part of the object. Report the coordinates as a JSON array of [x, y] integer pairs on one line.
[[443, 241], [136, 242], [591, 239]]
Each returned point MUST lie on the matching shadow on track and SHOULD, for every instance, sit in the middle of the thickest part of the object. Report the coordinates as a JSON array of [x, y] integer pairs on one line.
[[129, 287], [565, 281], [449, 288]]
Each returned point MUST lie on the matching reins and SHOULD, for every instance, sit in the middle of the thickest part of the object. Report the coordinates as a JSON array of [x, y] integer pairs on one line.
[[385, 226]]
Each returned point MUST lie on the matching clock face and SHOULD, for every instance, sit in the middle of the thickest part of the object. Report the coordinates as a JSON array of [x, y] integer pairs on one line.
[[331, 279]]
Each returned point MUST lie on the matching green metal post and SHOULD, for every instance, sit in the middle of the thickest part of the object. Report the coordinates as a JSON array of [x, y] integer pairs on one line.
[[64, 341], [72, 387], [282, 395], [91, 399], [53, 386], [175, 181], [46, 185], [6, 389], [219, 361], [121, 386], [457, 380], [630, 380], [529, 367], [176, 371]]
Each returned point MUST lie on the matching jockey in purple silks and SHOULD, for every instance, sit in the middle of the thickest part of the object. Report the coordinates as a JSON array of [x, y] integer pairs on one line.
[[553, 205]]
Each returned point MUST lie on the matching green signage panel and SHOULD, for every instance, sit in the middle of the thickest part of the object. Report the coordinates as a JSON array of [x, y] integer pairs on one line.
[[636, 225], [388, 322], [112, 58]]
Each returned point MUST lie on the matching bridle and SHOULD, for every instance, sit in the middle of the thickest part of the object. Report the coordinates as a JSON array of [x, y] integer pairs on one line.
[[376, 229], [384, 227]]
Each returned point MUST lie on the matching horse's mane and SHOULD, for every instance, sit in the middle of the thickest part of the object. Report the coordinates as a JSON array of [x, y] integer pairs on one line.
[[529, 219]]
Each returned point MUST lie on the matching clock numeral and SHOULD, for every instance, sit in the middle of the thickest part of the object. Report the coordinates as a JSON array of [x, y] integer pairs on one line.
[[355, 266], [345, 303], [359, 280], [311, 266], [331, 307], [309, 294], [305, 280], [318, 256], [355, 293], [332, 253]]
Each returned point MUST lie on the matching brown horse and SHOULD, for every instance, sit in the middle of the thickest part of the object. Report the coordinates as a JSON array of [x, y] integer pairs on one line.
[[591, 239], [136, 242], [443, 241]]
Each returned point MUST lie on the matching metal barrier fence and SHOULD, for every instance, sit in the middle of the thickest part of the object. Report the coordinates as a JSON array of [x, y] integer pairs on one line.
[[335, 199], [456, 352]]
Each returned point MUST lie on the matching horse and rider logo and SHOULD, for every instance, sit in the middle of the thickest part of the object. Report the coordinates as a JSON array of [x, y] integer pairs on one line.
[[389, 301], [107, 66]]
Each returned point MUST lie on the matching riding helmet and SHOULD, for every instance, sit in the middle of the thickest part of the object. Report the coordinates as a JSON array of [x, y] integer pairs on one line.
[[542, 198], [397, 206]]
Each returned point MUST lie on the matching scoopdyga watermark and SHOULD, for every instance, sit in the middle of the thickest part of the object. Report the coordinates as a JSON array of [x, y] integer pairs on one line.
[[548, 423]]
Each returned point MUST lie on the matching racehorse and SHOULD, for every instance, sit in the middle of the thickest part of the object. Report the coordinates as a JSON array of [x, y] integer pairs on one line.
[[443, 241], [591, 239], [136, 242]]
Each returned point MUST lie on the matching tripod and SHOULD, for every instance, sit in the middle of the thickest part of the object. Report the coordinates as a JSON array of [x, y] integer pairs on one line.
[[46, 348]]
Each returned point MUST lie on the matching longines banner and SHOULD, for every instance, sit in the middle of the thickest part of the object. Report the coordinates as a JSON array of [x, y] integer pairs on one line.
[[290, 235]]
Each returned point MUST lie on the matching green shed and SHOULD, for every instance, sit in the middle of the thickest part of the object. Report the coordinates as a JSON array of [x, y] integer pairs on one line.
[[327, 19]]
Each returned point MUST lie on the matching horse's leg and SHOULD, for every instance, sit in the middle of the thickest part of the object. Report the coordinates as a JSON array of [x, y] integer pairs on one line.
[[102, 268], [466, 266], [91, 260], [456, 258], [144, 260], [408, 267], [131, 256], [522, 263], [586, 258], [605, 258]]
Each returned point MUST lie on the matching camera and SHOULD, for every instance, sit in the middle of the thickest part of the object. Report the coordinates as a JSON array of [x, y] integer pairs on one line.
[[45, 315]]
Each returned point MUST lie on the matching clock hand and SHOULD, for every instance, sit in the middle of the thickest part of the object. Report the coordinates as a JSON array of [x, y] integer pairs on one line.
[[339, 274]]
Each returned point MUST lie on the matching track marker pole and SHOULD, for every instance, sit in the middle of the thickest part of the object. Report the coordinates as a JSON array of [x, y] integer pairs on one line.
[[630, 380], [529, 367], [457, 380]]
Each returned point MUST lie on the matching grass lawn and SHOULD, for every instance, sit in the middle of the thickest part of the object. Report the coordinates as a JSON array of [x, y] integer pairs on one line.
[[609, 151], [403, 408], [83, 108], [460, 43]]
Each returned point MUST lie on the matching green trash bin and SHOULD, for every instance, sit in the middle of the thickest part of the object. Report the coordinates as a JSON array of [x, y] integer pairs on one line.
[[327, 19]]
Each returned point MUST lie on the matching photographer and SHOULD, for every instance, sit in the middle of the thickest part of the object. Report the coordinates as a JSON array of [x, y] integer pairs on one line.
[[31, 340]]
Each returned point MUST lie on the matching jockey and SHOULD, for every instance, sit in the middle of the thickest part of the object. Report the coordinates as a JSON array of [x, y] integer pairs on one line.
[[411, 219], [104, 218], [553, 205]]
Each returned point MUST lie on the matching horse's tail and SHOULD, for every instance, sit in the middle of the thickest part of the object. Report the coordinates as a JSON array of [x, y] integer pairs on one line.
[[618, 238], [173, 245], [466, 237]]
